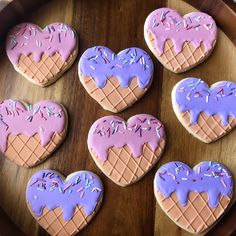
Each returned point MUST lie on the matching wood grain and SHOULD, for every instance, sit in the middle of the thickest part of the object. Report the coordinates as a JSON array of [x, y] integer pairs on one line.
[[117, 24]]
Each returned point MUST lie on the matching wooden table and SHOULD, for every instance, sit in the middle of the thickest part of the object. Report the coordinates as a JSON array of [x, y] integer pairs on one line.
[[118, 24]]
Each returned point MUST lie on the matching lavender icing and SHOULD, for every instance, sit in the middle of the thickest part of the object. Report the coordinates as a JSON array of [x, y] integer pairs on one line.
[[210, 177], [47, 189], [194, 95], [101, 63]]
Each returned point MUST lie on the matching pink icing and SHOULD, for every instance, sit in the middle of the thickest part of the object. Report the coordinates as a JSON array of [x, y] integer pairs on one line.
[[196, 27], [44, 118], [111, 131], [27, 38]]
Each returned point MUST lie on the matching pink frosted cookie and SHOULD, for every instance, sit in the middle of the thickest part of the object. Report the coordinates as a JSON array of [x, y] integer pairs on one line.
[[126, 151], [30, 134], [42, 55], [194, 198], [64, 206], [180, 43]]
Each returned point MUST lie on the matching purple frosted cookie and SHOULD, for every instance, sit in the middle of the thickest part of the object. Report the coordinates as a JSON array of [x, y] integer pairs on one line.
[[193, 198], [64, 206], [208, 113], [115, 81]]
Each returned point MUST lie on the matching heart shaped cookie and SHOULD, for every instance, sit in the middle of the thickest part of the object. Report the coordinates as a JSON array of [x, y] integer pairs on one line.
[[115, 81], [193, 199], [64, 207], [180, 43], [207, 113], [125, 152], [41, 56], [29, 135]]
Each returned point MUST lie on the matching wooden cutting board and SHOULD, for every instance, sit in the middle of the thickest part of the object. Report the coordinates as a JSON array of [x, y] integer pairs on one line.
[[118, 25]]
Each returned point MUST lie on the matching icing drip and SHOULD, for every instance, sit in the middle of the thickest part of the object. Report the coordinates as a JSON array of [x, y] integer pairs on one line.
[[196, 27], [101, 63], [194, 95], [112, 131], [27, 38], [210, 177], [44, 118], [46, 189]]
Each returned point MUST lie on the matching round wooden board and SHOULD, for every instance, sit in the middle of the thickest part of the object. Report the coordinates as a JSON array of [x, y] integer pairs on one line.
[[118, 25]]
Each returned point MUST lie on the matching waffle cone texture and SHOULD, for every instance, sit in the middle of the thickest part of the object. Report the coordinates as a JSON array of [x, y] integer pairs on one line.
[[197, 215], [189, 57], [47, 70], [122, 168], [55, 224], [28, 151], [113, 97]]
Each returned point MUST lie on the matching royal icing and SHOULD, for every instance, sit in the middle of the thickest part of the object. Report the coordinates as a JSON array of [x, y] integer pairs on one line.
[[27, 38], [194, 95], [210, 177], [47, 189], [101, 63], [44, 118], [196, 27], [112, 131]]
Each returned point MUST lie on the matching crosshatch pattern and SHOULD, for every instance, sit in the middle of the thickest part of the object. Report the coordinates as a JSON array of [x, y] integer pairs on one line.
[[54, 223], [123, 168], [46, 69], [197, 215], [28, 151], [208, 128], [189, 56], [112, 96]]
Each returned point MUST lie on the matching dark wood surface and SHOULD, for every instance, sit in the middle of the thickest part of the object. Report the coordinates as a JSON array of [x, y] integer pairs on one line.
[[118, 24]]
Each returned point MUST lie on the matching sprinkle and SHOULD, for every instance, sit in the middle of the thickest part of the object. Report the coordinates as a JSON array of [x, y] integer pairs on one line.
[[41, 129], [206, 26], [40, 189], [96, 189], [222, 181], [119, 66], [184, 178], [29, 118], [173, 176], [59, 37], [105, 53], [35, 197], [84, 176], [208, 175], [80, 189], [188, 96], [77, 180], [92, 67], [185, 24], [199, 170], [82, 194]]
